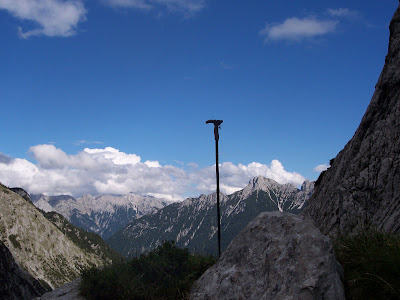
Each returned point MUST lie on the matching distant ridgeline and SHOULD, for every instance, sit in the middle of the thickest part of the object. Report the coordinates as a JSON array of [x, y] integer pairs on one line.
[[192, 223], [104, 214]]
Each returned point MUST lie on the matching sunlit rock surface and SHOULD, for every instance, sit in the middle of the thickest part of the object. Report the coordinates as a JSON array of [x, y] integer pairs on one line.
[[68, 291], [277, 256], [38, 245]]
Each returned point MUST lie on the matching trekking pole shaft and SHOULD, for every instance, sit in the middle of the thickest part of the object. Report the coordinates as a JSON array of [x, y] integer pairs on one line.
[[218, 210], [217, 123]]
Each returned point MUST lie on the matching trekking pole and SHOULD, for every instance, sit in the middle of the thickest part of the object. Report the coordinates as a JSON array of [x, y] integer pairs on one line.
[[217, 124]]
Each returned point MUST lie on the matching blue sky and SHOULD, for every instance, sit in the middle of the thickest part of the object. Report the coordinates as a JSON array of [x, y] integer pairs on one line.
[[290, 79]]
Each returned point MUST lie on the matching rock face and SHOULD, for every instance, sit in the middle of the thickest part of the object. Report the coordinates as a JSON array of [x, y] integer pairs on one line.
[[38, 245], [362, 186], [88, 241], [193, 223], [68, 291], [22, 193], [14, 282], [277, 256]]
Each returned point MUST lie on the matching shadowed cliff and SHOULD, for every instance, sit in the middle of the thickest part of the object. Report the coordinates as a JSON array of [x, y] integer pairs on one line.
[[362, 186]]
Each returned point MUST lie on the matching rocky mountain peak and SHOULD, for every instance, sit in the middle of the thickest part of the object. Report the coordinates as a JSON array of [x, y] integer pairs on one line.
[[260, 183], [362, 186], [307, 185]]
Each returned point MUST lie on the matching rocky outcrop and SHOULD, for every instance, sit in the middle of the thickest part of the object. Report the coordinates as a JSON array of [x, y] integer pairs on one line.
[[22, 193], [14, 282], [362, 186], [68, 291], [277, 256], [37, 245]]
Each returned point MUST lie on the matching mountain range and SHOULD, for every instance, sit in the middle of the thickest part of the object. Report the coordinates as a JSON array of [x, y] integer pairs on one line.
[[104, 214], [192, 223]]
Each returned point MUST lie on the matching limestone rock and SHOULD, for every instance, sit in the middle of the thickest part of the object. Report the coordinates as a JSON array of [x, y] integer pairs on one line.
[[37, 245], [277, 256], [362, 186], [22, 193], [69, 291], [14, 282]]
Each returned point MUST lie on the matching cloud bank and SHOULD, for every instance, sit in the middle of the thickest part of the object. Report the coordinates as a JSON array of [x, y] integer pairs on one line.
[[51, 17], [110, 171]]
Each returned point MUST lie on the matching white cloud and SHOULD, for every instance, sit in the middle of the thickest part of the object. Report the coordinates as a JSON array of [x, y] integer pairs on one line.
[[341, 12], [296, 29], [186, 7], [152, 164], [321, 168], [61, 17], [48, 156], [53, 17], [236, 177], [110, 171], [118, 158]]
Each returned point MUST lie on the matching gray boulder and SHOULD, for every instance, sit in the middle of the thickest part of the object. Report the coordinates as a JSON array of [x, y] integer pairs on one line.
[[362, 186], [277, 256], [68, 291]]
